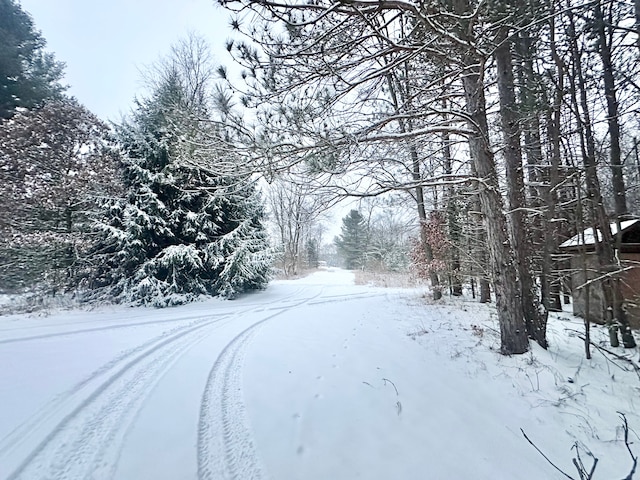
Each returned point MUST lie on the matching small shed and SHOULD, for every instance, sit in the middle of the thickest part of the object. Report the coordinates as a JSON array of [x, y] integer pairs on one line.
[[581, 248]]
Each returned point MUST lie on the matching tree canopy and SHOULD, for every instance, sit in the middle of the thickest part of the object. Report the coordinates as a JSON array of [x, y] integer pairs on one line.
[[186, 226], [28, 73], [55, 161]]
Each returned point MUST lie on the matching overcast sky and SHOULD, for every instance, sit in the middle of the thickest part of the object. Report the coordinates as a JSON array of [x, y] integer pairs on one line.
[[105, 44]]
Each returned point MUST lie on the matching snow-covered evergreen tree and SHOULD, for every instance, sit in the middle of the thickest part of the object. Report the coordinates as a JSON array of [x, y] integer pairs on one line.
[[353, 241], [187, 226]]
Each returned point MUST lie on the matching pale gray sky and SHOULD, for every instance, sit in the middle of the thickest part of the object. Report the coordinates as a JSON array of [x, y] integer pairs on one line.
[[105, 44]]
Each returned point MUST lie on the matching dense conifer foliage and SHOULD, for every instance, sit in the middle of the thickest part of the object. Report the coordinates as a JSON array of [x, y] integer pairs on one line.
[[187, 225], [28, 74]]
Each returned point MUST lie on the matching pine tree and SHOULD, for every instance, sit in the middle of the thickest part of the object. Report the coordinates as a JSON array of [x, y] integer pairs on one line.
[[313, 253], [28, 74], [183, 229], [352, 242]]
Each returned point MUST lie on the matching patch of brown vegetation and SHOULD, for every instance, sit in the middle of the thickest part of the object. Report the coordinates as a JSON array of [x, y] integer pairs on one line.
[[387, 279]]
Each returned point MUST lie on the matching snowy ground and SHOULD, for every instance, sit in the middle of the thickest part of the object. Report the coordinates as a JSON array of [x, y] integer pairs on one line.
[[310, 379]]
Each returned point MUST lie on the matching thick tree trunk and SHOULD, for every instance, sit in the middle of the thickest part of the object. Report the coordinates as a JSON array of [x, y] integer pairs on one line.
[[535, 320], [480, 245], [615, 157], [636, 7], [551, 198], [513, 334], [551, 282], [485, 287], [506, 286], [543, 198]]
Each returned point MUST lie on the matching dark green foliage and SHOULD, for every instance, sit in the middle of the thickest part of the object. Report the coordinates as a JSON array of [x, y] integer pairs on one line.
[[352, 242], [313, 253], [185, 228], [28, 74]]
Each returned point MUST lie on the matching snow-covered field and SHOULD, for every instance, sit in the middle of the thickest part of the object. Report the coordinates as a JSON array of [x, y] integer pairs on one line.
[[311, 379]]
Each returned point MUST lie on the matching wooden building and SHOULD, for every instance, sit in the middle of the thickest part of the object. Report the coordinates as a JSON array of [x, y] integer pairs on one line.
[[581, 252]]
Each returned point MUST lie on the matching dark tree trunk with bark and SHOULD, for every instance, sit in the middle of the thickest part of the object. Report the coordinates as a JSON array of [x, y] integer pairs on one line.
[[452, 221], [550, 281], [636, 8], [507, 288], [543, 197], [480, 239], [520, 232], [615, 156], [399, 92]]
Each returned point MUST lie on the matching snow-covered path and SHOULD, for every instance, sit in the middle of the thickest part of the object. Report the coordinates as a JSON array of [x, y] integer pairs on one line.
[[310, 379]]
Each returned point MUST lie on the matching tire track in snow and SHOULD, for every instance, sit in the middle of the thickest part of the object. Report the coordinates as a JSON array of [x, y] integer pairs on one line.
[[104, 328], [88, 423], [26, 338], [226, 447], [347, 298], [86, 442], [225, 443], [56, 406]]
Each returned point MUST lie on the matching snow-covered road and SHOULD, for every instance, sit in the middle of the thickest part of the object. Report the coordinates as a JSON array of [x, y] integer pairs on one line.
[[311, 379], [144, 393]]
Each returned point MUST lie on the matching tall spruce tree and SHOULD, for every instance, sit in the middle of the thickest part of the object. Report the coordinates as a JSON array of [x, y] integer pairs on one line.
[[185, 228], [28, 74], [352, 242]]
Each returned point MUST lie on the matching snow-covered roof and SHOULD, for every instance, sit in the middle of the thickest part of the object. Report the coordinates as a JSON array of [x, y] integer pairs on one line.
[[576, 240]]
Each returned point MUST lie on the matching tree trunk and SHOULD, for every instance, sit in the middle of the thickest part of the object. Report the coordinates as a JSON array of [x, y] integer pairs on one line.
[[513, 333], [636, 7], [485, 288], [550, 281], [395, 89], [615, 157], [452, 221], [535, 321], [422, 215], [543, 197], [481, 251]]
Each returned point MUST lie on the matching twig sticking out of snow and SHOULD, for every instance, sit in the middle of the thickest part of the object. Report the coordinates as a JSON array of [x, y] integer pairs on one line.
[[547, 458], [385, 380], [626, 442], [577, 461], [582, 471], [603, 350], [398, 404]]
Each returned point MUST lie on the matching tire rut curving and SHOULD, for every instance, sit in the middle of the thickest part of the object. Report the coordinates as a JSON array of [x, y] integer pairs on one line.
[[86, 441], [226, 447], [226, 444]]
